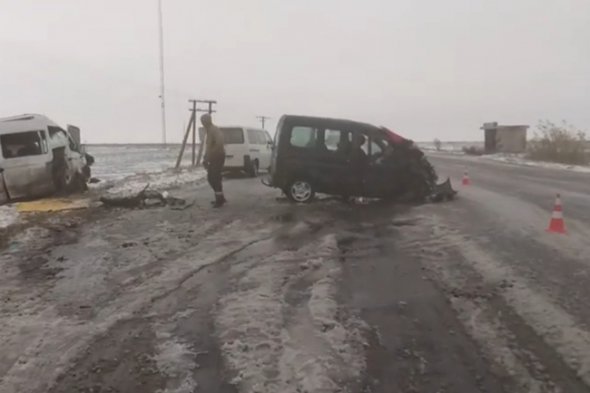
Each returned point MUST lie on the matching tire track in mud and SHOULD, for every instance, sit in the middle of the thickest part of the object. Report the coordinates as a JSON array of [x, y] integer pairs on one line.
[[548, 260], [172, 349], [300, 335], [416, 342], [534, 343], [120, 310], [180, 354]]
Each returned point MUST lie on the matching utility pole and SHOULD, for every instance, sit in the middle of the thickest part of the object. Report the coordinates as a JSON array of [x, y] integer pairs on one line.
[[162, 88], [194, 117], [209, 103], [262, 120], [192, 127]]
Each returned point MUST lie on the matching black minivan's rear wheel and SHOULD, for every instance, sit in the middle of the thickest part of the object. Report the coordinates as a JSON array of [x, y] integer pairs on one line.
[[300, 191]]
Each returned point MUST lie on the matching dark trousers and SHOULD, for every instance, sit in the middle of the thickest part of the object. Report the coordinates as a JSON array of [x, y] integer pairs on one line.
[[214, 173]]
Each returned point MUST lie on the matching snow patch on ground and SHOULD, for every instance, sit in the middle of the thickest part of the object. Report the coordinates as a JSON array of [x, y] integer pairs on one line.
[[448, 147], [157, 181], [323, 346], [313, 263], [343, 337], [283, 330], [176, 360], [250, 322], [8, 216]]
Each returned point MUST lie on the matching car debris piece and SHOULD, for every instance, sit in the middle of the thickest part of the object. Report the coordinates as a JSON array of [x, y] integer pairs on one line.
[[443, 192], [144, 198]]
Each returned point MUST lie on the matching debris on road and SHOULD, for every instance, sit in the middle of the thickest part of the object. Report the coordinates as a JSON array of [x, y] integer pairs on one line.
[[52, 205], [144, 198], [443, 192]]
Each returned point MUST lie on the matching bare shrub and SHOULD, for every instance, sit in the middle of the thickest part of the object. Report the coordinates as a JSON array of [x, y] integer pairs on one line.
[[437, 144], [558, 143]]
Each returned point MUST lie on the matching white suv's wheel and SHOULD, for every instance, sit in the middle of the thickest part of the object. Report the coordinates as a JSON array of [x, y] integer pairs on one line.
[[300, 191], [253, 170]]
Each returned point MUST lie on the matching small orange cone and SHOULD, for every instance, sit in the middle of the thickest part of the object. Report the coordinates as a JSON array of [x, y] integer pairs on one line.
[[557, 224], [466, 181]]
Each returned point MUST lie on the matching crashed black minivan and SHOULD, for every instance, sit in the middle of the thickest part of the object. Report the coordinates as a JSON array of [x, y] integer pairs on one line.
[[346, 158]]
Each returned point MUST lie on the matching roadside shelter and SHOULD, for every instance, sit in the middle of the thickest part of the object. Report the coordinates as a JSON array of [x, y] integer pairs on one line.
[[504, 138]]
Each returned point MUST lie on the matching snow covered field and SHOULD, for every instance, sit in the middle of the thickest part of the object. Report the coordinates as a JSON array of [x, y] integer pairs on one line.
[[519, 159], [115, 162], [157, 181]]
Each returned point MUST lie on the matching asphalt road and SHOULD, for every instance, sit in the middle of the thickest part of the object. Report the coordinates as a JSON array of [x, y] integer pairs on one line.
[[264, 296], [529, 288]]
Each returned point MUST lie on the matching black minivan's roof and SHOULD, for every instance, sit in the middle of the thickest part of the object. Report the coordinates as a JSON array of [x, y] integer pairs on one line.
[[342, 122]]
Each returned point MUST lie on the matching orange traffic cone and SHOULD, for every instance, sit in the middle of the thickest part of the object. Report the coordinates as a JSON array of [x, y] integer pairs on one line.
[[557, 225], [466, 181]]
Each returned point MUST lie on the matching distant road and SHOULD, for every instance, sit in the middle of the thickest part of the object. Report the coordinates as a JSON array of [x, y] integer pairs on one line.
[[532, 185]]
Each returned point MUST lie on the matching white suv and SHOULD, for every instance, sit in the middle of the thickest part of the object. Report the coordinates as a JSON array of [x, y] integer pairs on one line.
[[247, 149]]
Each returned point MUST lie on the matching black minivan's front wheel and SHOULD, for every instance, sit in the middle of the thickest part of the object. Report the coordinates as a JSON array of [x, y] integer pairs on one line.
[[300, 191]]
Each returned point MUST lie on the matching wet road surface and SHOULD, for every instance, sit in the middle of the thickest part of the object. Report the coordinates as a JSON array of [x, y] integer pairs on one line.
[[265, 296]]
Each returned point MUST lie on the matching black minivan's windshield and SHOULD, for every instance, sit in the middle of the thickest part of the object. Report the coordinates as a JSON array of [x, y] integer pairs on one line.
[[233, 136]]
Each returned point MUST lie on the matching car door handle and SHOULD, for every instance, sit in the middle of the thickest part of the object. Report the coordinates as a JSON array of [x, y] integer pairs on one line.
[[254, 150]]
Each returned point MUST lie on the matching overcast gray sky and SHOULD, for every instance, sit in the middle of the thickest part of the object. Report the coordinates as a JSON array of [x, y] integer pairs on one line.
[[426, 68]]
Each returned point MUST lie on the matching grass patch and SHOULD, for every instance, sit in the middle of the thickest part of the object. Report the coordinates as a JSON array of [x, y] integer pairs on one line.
[[559, 143]]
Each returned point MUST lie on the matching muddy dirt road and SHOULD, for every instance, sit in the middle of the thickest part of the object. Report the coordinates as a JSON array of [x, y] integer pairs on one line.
[[264, 296]]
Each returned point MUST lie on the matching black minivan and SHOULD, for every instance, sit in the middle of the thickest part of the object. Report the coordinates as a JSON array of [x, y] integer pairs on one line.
[[345, 158]]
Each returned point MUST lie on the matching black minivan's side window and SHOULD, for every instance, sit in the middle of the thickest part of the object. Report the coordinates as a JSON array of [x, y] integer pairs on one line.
[[302, 136], [332, 139], [376, 149]]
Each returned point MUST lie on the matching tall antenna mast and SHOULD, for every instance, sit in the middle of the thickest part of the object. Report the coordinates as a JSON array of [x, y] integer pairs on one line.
[[162, 89]]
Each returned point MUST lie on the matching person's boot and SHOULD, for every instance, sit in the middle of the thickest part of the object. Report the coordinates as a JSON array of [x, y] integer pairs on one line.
[[219, 200]]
